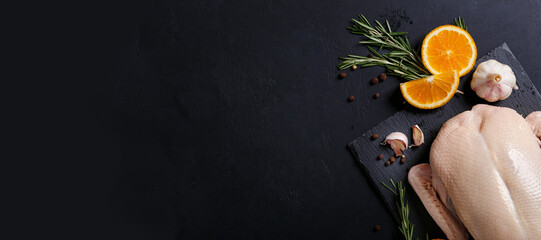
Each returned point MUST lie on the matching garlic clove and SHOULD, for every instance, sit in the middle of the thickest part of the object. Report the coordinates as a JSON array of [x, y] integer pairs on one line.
[[398, 142], [493, 81], [418, 136]]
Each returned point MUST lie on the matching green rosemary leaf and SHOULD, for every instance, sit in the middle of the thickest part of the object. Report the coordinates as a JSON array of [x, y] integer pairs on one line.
[[390, 189], [460, 23], [397, 54], [363, 18], [388, 26], [398, 33], [379, 26], [376, 53]]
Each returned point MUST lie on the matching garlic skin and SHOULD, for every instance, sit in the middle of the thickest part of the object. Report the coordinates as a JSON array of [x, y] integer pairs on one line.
[[493, 81], [418, 136], [398, 142]]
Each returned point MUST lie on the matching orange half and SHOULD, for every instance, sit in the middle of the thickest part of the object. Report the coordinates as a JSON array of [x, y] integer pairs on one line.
[[431, 92], [448, 48]]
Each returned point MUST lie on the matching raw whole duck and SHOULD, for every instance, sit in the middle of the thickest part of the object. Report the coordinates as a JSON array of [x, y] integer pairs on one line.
[[484, 176]]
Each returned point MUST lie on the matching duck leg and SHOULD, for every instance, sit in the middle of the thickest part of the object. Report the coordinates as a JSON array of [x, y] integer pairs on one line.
[[421, 179]]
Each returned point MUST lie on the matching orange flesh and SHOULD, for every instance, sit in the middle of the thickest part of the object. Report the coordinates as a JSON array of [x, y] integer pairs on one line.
[[448, 51], [430, 92]]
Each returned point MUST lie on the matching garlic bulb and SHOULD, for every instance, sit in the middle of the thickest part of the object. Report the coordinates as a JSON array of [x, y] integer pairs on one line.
[[493, 81]]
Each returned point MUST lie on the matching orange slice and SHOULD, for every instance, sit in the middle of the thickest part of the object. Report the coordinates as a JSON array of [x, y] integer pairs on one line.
[[431, 92], [448, 48]]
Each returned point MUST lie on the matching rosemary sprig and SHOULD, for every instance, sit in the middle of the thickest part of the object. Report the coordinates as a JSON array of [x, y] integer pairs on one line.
[[460, 22], [406, 227], [401, 60]]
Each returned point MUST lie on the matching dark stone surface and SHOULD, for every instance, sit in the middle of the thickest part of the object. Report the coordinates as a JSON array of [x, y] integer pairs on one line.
[[226, 119]]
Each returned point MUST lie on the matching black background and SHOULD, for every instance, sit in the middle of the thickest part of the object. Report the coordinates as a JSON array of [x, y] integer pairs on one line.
[[226, 119]]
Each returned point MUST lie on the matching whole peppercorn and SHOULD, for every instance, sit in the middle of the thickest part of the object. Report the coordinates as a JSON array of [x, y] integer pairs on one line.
[[387, 163], [342, 75], [380, 156], [392, 159], [373, 81], [403, 159], [374, 136], [354, 67], [382, 77], [376, 228], [351, 98], [376, 95], [370, 55]]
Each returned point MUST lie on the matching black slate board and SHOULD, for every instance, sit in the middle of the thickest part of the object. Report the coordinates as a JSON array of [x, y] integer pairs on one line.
[[524, 100]]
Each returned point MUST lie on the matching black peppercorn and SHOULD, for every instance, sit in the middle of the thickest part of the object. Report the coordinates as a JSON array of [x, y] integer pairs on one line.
[[382, 77]]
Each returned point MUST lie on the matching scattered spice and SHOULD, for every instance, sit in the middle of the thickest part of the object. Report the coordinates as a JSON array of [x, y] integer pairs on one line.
[[376, 95], [382, 77], [351, 98], [370, 55], [387, 163], [392, 159], [380, 156], [403, 159], [354, 67], [342, 75], [373, 81], [376, 228], [374, 136]]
